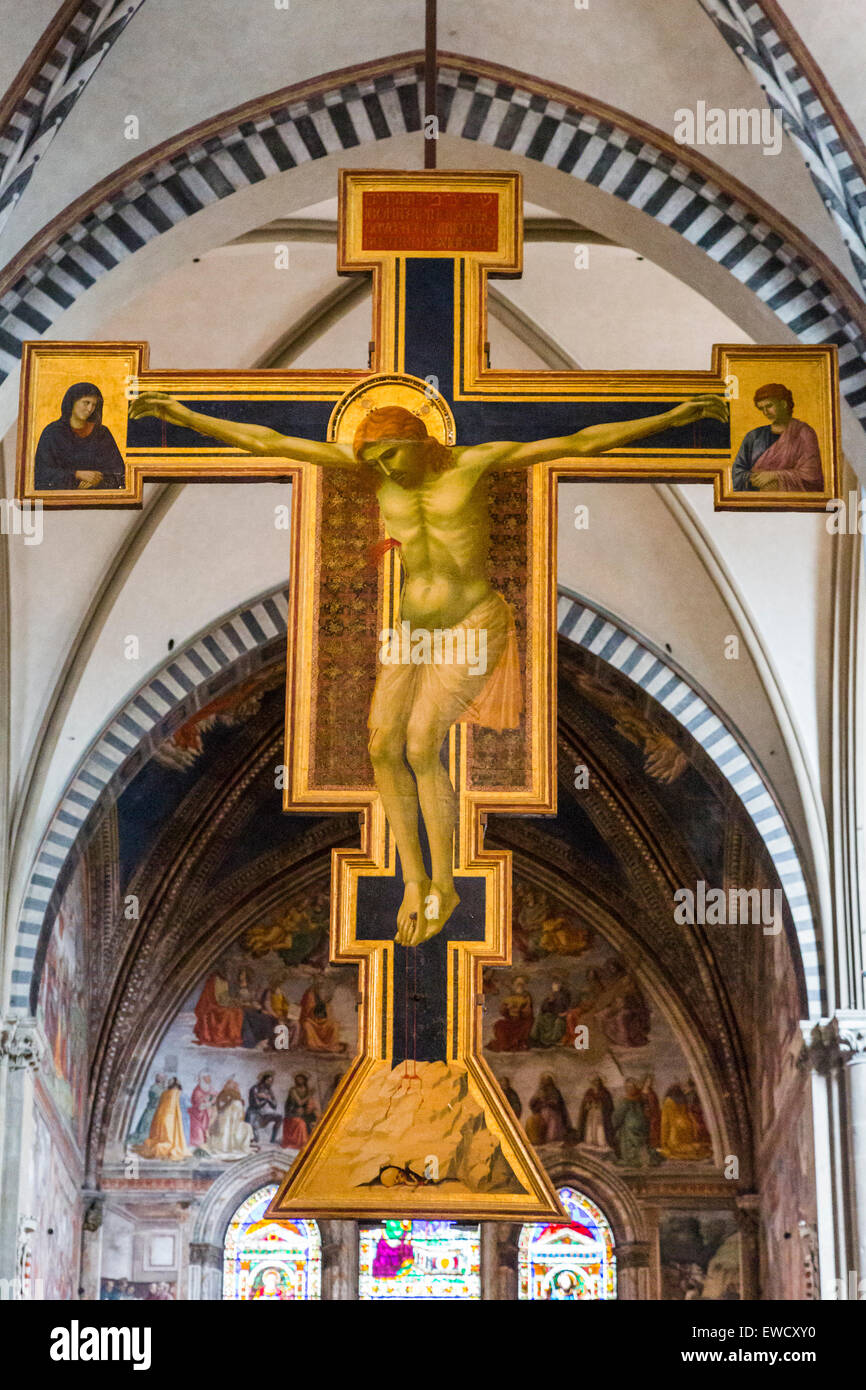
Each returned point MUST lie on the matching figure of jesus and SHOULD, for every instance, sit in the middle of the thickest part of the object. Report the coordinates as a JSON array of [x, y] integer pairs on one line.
[[433, 502]]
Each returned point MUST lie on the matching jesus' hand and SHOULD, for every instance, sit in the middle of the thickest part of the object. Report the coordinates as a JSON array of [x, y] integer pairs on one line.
[[699, 408], [158, 403]]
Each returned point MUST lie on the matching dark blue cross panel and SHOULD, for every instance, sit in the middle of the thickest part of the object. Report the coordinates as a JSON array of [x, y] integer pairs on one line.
[[420, 972], [304, 419], [429, 351]]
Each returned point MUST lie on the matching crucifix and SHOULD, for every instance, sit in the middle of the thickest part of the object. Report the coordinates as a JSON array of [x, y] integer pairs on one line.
[[421, 656]]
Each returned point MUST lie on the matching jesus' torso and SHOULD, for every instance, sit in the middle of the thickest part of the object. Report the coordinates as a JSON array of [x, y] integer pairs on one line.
[[443, 527]]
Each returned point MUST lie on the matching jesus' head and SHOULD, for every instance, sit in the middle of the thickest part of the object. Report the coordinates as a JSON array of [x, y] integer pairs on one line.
[[396, 445]]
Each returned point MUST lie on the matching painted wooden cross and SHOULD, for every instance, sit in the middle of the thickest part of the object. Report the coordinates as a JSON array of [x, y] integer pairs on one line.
[[423, 624]]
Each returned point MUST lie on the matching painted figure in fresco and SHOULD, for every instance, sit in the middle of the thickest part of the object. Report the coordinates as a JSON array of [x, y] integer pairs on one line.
[[542, 930], [631, 1129], [511, 1031], [653, 1109], [562, 936], [77, 450], [166, 1139], [230, 1136], [300, 1113], [781, 456], [296, 934], [722, 1281], [218, 1021], [262, 1108], [319, 1032], [200, 1111], [627, 1020], [258, 1027], [142, 1129], [595, 1120], [281, 1013], [433, 502], [511, 1096], [587, 999], [693, 1105], [548, 1029], [548, 1121], [684, 1134], [663, 760], [687, 1248]]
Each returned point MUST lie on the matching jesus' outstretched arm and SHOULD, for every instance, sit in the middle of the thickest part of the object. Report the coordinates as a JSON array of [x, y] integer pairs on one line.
[[595, 439], [253, 439]]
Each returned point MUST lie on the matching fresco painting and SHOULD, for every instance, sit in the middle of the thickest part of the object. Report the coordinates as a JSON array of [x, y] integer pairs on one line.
[[144, 1291], [256, 1052], [57, 1239], [700, 1256], [62, 1007], [778, 1037], [582, 1055], [788, 1203]]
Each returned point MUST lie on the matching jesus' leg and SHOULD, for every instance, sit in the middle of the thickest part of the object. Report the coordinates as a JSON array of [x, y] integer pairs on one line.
[[443, 694], [439, 703], [399, 794], [438, 802]]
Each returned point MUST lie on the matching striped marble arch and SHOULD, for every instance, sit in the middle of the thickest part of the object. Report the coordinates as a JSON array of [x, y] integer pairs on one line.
[[564, 131]]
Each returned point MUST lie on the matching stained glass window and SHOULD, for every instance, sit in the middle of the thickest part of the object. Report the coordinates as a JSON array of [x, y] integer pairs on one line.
[[270, 1259], [420, 1259], [568, 1262]]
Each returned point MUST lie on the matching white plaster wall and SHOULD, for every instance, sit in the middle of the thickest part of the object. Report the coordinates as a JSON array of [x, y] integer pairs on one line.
[[118, 1236], [621, 313]]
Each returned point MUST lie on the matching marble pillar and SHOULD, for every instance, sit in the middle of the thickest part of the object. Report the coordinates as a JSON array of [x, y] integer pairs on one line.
[[22, 1047], [633, 1270]]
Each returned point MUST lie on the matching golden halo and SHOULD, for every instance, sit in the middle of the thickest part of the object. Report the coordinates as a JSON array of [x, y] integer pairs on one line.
[[389, 389]]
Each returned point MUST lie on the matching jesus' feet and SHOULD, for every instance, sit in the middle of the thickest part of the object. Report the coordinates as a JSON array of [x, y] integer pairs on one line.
[[411, 910], [439, 904]]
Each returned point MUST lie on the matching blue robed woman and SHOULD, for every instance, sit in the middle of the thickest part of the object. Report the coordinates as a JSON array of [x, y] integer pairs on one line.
[[78, 451]]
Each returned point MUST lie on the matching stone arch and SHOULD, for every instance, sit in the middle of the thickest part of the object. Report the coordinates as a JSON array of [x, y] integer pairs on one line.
[[564, 130], [768, 46], [217, 1208], [231, 1187], [616, 1201], [607, 637], [225, 653]]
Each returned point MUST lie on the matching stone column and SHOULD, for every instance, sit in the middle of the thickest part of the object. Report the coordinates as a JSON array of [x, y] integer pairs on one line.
[[489, 1260], [850, 1032], [633, 1270], [749, 1223], [836, 1053], [205, 1272], [91, 1248], [340, 1254], [22, 1047], [499, 1260], [818, 1058]]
